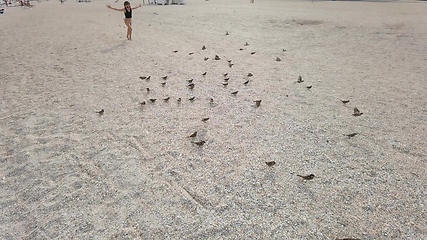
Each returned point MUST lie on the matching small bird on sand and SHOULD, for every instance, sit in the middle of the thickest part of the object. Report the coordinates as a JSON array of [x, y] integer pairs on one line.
[[225, 84], [179, 100], [204, 47], [246, 83], [241, 49], [175, 51], [270, 163], [205, 119], [235, 92], [142, 103], [100, 112], [226, 33], [192, 98], [225, 74], [308, 177], [166, 99], [165, 77], [357, 112], [230, 65], [190, 80], [200, 143], [191, 53], [204, 74], [163, 84], [191, 85], [246, 44], [252, 53], [148, 78], [211, 100], [206, 58], [143, 78], [299, 79], [152, 99], [350, 135], [345, 101], [148, 89], [217, 57], [257, 103], [278, 59], [194, 134], [309, 87], [229, 61], [283, 50], [226, 79], [250, 74]]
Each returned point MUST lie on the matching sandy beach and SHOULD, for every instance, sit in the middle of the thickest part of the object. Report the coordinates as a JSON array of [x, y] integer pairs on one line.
[[133, 172]]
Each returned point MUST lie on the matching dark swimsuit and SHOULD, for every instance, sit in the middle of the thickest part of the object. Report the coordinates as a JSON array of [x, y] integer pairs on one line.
[[128, 14]]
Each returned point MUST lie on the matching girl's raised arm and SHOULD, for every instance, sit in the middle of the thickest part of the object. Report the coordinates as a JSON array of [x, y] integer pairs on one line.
[[140, 5], [117, 9]]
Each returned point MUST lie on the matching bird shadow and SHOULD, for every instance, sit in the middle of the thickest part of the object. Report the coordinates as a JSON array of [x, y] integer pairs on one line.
[[117, 46]]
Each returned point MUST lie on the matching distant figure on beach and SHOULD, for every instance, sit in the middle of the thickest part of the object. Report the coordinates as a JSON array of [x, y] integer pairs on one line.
[[128, 16]]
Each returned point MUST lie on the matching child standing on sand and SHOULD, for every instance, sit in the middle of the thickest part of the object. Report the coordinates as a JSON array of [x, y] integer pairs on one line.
[[128, 16]]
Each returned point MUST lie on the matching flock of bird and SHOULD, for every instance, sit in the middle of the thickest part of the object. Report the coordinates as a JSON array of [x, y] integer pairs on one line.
[[257, 102]]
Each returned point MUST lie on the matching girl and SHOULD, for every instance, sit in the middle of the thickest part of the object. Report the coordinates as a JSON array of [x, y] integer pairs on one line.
[[128, 16]]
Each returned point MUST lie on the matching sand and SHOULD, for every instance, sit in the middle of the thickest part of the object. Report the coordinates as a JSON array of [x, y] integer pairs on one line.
[[133, 173]]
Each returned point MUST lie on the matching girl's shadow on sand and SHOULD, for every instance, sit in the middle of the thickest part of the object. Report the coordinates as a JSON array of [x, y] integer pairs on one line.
[[117, 46]]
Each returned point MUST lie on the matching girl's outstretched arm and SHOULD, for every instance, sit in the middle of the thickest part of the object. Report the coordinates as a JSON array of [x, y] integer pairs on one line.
[[140, 5], [117, 9]]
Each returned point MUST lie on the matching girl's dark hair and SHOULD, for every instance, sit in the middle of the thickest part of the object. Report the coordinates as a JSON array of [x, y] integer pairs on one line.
[[126, 3]]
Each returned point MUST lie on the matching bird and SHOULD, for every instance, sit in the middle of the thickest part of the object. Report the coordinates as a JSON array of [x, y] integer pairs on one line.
[[283, 50], [163, 84], [345, 101], [226, 79], [299, 79], [211, 100], [357, 112], [190, 53], [235, 92], [143, 78], [246, 83], [270, 163], [308, 177], [241, 49], [179, 100], [205, 119], [206, 58], [152, 99], [246, 44], [165, 77], [225, 74], [191, 85], [148, 89], [142, 103], [204, 74], [278, 59], [226, 33], [217, 57], [166, 99], [194, 134], [229, 61], [200, 143], [204, 47], [225, 84], [250, 74], [190, 80], [309, 87], [148, 78], [230, 65], [175, 51], [350, 135], [192, 98], [252, 53], [257, 103], [100, 112]]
